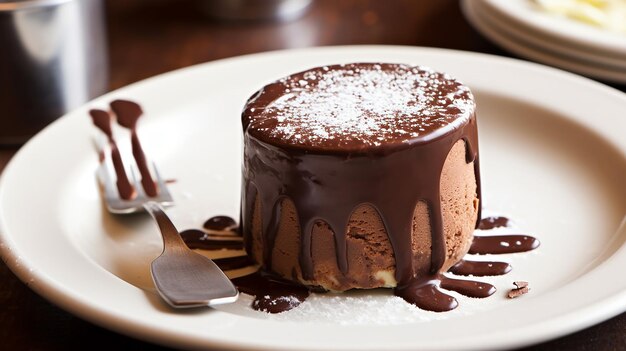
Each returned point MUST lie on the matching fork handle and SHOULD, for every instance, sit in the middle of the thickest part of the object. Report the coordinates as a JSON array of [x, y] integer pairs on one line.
[[171, 237]]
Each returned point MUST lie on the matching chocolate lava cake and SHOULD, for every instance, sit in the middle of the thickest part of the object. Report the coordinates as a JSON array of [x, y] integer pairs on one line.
[[360, 175]]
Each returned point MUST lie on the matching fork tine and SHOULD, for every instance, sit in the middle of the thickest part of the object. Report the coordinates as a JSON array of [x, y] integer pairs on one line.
[[164, 194], [106, 177], [104, 171], [110, 190], [141, 195], [100, 143]]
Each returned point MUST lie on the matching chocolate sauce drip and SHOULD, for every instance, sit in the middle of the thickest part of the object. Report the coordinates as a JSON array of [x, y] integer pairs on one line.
[[236, 262], [468, 287], [270, 227], [274, 295], [480, 268], [248, 195], [271, 294], [197, 239], [128, 114], [493, 222], [221, 223], [426, 295], [408, 171], [102, 120], [502, 244]]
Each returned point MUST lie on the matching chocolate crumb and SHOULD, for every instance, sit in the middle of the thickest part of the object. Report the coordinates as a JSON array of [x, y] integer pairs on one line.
[[520, 284], [517, 292], [521, 288]]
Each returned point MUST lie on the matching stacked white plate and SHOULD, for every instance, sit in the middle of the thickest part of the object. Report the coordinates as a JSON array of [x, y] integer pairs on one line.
[[519, 26]]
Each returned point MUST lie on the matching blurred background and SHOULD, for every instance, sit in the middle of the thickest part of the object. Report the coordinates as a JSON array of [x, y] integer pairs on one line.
[[140, 39], [171, 34]]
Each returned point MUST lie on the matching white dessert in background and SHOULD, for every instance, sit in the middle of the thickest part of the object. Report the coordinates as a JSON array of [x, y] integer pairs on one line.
[[606, 14]]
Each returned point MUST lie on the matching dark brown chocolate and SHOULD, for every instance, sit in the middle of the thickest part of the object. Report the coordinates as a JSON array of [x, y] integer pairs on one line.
[[102, 120], [221, 223], [271, 294], [493, 222], [357, 108], [468, 287], [480, 268], [197, 239], [128, 114], [502, 244], [425, 293]]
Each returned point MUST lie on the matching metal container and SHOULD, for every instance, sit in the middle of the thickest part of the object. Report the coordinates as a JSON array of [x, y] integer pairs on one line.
[[53, 58]]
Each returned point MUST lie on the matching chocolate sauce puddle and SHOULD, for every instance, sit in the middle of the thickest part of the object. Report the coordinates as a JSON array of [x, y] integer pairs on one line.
[[271, 294], [220, 223], [198, 239], [426, 293], [502, 244], [275, 295], [230, 263], [468, 288], [493, 222], [427, 296], [480, 268]]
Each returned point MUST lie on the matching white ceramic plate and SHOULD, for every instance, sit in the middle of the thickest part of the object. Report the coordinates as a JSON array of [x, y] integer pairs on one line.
[[524, 13], [553, 158], [513, 42], [546, 43]]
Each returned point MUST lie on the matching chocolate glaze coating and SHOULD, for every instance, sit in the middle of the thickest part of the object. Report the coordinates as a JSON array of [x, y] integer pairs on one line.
[[358, 108]]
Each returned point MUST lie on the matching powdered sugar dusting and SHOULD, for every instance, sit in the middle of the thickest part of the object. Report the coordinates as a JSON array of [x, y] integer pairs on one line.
[[362, 307], [362, 104]]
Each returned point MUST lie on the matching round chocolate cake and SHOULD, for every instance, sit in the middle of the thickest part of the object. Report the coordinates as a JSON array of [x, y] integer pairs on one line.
[[361, 175]]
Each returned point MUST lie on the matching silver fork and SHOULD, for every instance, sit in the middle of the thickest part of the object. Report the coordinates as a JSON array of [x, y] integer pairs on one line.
[[182, 277]]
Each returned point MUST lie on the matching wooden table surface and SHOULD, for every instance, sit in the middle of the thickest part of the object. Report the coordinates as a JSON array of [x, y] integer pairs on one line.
[[147, 38]]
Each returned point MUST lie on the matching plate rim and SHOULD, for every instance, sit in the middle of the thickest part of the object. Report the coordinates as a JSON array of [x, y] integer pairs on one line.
[[510, 42], [551, 45], [14, 262], [572, 32]]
